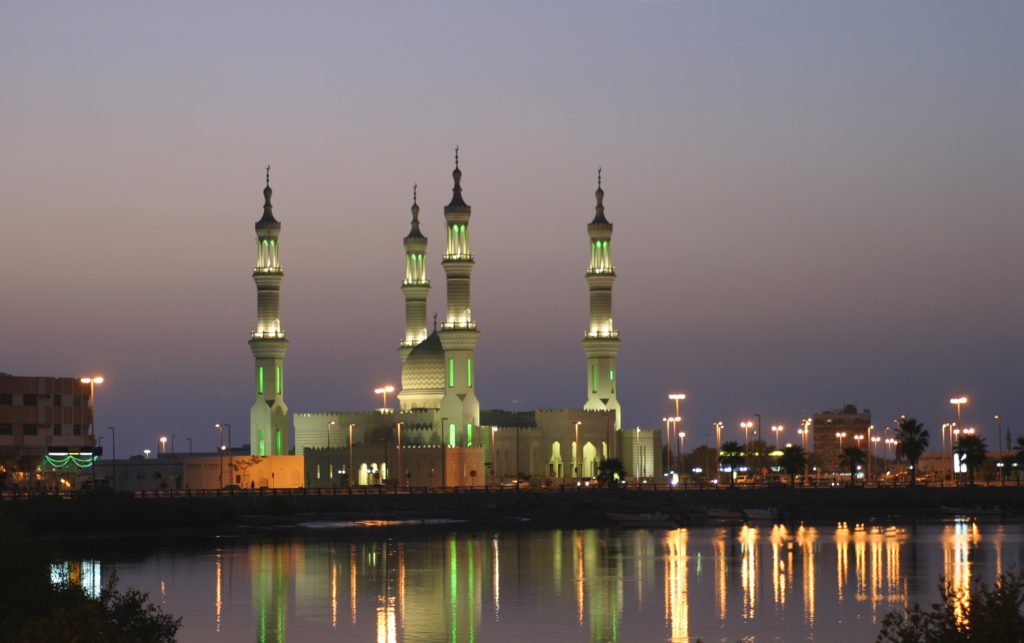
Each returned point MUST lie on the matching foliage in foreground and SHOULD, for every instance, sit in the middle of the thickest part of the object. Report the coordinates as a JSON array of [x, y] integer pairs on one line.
[[983, 614], [35, 609]]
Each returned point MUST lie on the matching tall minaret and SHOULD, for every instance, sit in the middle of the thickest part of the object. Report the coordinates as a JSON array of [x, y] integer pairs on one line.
[[268, 417], [460, 410], [415, 286], [601, 341]]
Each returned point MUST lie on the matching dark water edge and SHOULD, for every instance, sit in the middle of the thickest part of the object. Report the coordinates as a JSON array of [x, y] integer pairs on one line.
[[124, 517]]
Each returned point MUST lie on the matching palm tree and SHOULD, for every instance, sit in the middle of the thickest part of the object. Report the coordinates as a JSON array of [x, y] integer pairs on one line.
[[912, 441], [1019, 451], [609, 471], [793, 461], [971, 450], [852, 457], [731, 455]]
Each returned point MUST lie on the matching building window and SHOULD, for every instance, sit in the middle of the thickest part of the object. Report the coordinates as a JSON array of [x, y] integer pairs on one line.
[[611, 378], [78, 401], [451, 372], [78, 429], [56, 429], [57, 400], [469, 434], [593, 376], [30, 429], [5, 399], [5, 429], [451, 435], [263, 442], [469, 372], [259, 382], [278, 388], [278, 443], [28, 400]]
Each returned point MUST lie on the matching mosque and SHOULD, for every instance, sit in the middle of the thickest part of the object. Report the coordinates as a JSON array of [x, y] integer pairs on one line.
[[439, 434]]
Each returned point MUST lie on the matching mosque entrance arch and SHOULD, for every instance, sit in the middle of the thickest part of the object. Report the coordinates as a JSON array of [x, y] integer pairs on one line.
[[555, 463], [589, 460]]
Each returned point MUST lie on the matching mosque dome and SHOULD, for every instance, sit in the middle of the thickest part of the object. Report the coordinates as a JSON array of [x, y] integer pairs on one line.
[[424, 368]]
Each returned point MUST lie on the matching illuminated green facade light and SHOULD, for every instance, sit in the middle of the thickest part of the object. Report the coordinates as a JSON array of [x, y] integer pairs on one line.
[[469, 434], [60, 462], [263, 443], [278, 441], [278, 388], [451, 372], [451, 435], [593, 377], [259, 381], [469, 372]]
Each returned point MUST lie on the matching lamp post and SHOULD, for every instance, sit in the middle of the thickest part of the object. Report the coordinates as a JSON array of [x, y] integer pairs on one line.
[[719, 425], [871, 447], [330, 467], [173, 435], [189, 446], [494, 431], [350, 471], [746, 425], [682, 452], [92, 381], [575, 451], [220, 452], [839, 454], [640, 459], [113, 455], [163, 444], [401, 472], [384, 390], [776, 429], [677, 398], [145, 454], [231, 456]]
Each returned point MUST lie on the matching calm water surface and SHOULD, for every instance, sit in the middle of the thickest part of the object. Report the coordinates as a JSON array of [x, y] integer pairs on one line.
[[768, 583]]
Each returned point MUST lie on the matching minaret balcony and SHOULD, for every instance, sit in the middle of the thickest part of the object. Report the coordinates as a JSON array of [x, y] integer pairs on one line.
[[601, 334], [459, 325], [267, 334], [416, 282], [265, 270], [458, 256]]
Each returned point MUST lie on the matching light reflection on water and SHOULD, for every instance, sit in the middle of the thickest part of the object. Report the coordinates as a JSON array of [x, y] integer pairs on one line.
[[753, 583]]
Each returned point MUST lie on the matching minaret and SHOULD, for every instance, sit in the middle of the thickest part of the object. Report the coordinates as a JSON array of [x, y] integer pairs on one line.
[[460, 410], [268, 417], [415, 286], [601, 341]]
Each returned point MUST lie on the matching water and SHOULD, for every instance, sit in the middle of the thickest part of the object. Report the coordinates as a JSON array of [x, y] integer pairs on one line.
[[768, 583]]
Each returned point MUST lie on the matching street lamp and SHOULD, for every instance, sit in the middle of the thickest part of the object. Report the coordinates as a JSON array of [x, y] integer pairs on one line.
[[682, 451], [222, 426], [746, 425], [92, 381], [401, 473], [871, 447], [163, 444], [777, 429], [330, 467], [350, 427], [113, 454], [384, 390], [173, 435], [575, 450], [145, 454], [677, 398], [958, 402]]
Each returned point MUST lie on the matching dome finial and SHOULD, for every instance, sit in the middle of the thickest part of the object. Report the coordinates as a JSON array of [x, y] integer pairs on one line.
[[268, 175], [414, 194], [599, 195], [266, 193], [456, 157], [598, 177]]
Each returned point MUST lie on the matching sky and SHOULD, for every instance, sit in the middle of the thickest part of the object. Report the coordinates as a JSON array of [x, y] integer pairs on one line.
[[815, 203]]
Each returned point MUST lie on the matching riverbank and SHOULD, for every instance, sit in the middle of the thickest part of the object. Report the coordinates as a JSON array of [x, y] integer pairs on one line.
[[106, 514]]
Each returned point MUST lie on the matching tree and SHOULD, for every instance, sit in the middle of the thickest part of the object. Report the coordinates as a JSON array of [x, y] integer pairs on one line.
[[991, 614], [1018, 450], [793, 461], [971, 450], [852, 458], [912, 441], [731, 455], [609, 471]]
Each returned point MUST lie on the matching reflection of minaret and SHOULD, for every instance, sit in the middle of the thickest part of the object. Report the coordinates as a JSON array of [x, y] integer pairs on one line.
[[459, 407], [415, 286], [268, 417], [272, 567], [601, 341]]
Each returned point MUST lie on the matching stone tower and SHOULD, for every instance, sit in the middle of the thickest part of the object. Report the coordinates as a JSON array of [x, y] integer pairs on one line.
[[460, 409], [601, 341], [268, 416], [415, 286]]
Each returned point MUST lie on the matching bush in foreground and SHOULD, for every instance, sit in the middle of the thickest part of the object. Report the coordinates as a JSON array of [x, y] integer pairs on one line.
[[984, 614]]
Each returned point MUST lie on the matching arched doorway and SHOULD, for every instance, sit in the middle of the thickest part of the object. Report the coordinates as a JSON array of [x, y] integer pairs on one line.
[[555, 463], [364, 473], [589, 460]]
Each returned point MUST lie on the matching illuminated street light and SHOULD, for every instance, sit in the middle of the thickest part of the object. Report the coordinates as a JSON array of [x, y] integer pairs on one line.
[[163, 444], [841, 435], [776, 429], [145, 454], [330, 469], [384, 390], [92, 381], [575, 451], [677, 397], [746, 425], [958, 402]]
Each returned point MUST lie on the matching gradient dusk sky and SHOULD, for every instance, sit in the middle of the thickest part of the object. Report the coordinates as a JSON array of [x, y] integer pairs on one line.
[[814, 202]]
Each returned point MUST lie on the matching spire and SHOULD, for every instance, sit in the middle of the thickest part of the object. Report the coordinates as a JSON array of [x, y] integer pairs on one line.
[[268, 219], [414, 231], [599, 195], [457, 201]]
